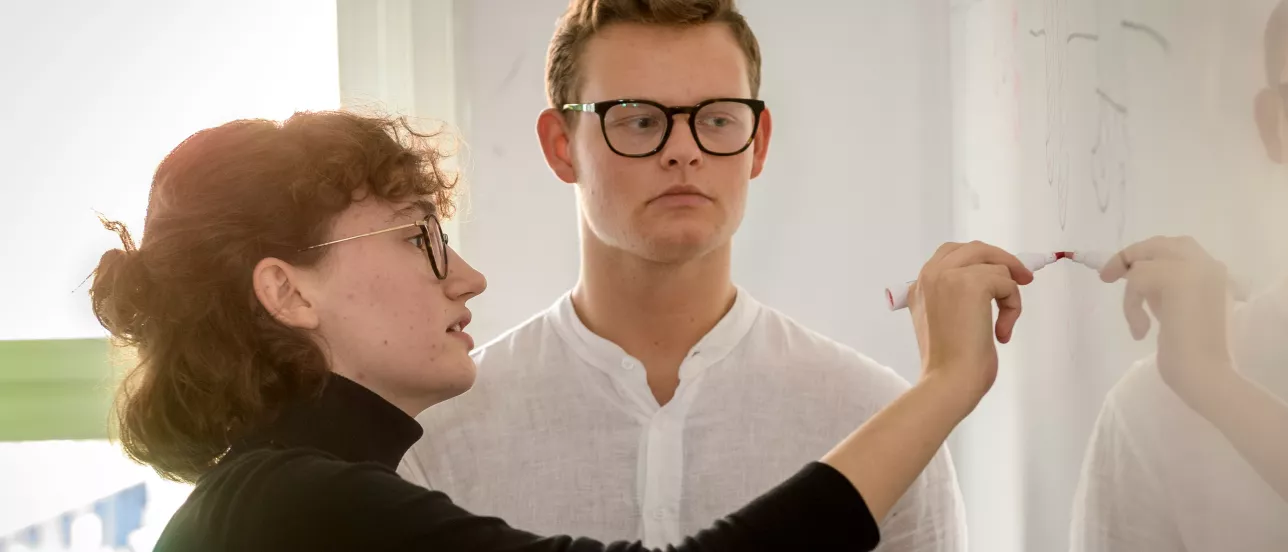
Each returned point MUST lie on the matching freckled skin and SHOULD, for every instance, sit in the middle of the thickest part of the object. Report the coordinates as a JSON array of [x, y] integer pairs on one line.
[[384, 315]]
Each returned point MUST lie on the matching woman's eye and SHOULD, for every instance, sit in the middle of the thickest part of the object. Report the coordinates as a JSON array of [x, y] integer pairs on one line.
[[418, 241]]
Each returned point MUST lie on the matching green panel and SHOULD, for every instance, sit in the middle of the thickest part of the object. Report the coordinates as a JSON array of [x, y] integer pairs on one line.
[[55, 389]]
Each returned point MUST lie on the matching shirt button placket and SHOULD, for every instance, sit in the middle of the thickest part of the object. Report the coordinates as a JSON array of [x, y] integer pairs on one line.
[[665, 457]]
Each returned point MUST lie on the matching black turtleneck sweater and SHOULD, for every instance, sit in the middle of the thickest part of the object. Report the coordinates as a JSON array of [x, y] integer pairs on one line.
[[322, 477]]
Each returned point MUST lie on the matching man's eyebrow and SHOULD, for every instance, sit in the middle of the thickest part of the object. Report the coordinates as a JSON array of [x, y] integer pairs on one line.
[[419, 209]]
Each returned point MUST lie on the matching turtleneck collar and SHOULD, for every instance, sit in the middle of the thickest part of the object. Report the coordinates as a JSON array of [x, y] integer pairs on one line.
[[347, 420]]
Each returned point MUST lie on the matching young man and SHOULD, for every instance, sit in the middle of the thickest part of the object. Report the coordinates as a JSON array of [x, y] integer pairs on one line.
[[1191, 448], [613, 414]]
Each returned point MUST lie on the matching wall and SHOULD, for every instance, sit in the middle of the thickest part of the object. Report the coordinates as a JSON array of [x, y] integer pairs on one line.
[[520, 222]]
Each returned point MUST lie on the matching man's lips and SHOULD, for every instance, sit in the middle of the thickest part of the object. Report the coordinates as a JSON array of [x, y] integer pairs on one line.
[[682, 194]]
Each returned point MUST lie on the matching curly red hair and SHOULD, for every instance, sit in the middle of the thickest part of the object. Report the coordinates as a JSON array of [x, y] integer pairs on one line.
[[212, 364]]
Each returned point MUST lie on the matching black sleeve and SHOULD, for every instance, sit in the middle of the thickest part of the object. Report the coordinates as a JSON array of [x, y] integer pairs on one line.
[[817, 509]]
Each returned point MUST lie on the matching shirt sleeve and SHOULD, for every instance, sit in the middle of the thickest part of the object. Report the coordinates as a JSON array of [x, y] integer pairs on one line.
[[931, 516], [817, 509], [1119, 505]]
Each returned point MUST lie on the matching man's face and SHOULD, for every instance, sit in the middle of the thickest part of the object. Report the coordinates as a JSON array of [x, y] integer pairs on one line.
[[680, 203]]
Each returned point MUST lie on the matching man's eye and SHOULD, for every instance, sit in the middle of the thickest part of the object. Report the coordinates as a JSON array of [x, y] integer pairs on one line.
[[418, 241]]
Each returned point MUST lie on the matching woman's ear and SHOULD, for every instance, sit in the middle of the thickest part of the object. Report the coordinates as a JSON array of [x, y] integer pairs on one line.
[[284, 292], [1270, 117]]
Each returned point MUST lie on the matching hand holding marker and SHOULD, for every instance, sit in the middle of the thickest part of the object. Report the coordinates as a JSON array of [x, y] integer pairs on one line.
[[897, 296]]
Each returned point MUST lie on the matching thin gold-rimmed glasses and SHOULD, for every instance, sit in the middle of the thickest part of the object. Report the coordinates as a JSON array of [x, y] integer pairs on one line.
[[433, 241]]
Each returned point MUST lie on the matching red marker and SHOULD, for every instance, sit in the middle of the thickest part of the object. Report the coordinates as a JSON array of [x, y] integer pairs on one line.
[[1095, 260]]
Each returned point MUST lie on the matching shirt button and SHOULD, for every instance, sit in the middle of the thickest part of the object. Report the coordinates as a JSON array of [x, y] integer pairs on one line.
[[628, 364]]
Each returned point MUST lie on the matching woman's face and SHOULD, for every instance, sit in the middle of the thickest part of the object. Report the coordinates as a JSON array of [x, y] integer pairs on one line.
[[383, 317]]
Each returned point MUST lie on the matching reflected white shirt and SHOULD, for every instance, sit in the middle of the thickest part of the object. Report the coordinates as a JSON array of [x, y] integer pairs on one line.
[[1158, 477], [562, 435]]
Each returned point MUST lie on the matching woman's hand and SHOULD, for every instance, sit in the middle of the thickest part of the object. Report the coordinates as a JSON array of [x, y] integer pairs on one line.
[[952, 311]]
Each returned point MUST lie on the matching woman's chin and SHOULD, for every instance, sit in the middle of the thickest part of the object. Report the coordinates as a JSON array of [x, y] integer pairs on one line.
[[449, 383]]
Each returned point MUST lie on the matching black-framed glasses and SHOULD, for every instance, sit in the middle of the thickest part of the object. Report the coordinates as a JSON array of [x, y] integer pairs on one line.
[[432, 240], [639, 128]]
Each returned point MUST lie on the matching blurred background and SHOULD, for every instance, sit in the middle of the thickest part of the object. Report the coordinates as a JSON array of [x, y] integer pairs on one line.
[[1036, 125]]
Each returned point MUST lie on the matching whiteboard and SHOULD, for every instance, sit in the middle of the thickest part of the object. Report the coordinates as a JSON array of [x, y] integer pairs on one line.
[[1089, 125]]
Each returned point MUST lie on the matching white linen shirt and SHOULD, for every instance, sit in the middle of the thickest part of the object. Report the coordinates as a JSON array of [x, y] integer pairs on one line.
[[562, 435], [1159, 477]]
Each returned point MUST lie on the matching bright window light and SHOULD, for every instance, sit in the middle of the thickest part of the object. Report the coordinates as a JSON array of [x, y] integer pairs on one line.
[[96, 93], [92, 96]]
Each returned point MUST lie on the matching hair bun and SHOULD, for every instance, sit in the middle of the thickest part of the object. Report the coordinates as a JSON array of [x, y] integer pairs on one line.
[[118, 292]]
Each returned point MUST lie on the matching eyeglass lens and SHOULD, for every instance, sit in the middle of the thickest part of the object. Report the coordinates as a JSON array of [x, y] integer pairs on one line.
[[638, 128]]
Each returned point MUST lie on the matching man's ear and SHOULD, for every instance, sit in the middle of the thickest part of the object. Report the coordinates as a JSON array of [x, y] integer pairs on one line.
[[554, 134], [760, 149], [1269, 115], [284, 292]]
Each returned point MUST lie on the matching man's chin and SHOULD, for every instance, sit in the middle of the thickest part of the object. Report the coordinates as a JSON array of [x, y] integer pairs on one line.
[[683, 246]]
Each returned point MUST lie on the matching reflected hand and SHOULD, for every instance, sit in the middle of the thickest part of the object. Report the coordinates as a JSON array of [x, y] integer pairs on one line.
[[1186, 290], [952, 311]]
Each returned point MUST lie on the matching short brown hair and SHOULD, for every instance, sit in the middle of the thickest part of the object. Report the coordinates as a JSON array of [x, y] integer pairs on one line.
[[213, 364], [584, 18]]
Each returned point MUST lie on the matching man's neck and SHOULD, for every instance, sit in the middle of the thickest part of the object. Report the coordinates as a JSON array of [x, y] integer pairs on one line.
[[656, 312]]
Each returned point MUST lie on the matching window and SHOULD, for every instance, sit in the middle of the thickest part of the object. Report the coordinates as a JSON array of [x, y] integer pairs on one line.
[[95, 96]]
